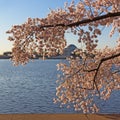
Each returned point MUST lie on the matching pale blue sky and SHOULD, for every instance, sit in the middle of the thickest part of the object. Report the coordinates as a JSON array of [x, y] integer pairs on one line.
[[17, 11]]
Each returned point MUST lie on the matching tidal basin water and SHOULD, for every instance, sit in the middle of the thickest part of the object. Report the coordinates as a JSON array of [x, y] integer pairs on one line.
[[31, 89]]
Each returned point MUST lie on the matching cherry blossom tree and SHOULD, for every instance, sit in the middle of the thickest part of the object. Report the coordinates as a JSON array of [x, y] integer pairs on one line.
[[97, 74]]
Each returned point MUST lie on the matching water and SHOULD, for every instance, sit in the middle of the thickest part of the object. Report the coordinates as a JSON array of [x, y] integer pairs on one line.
[[31, 89]]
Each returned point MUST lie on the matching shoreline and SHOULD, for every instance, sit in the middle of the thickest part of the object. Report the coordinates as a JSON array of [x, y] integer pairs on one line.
[[59, 116], [5, 57]]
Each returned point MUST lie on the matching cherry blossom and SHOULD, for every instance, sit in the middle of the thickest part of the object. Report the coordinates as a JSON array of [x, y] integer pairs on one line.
[[97, 74]]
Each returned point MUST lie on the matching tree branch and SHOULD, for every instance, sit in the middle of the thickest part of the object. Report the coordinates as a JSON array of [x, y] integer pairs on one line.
[[97, 69], [102, 60], [109, 15], [117, 71]]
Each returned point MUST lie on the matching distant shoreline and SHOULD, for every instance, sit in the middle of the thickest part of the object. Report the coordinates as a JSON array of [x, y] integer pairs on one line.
[[5, 57], [56, 57]]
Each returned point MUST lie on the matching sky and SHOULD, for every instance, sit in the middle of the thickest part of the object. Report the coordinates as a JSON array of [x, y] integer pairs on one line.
[[14, 12]]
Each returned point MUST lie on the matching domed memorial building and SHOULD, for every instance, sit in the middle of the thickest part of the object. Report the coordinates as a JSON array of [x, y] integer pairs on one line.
[[66, 53]]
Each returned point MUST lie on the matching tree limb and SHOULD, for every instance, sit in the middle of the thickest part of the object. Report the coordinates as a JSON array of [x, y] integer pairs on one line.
[[102, 60], [109, 15], [97, 69]]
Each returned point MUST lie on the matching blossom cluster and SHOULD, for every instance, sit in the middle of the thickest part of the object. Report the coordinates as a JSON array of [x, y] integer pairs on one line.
[[84, 79]]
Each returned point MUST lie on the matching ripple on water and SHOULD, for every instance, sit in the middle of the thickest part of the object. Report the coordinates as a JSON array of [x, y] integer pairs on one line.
[[31, 89]]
